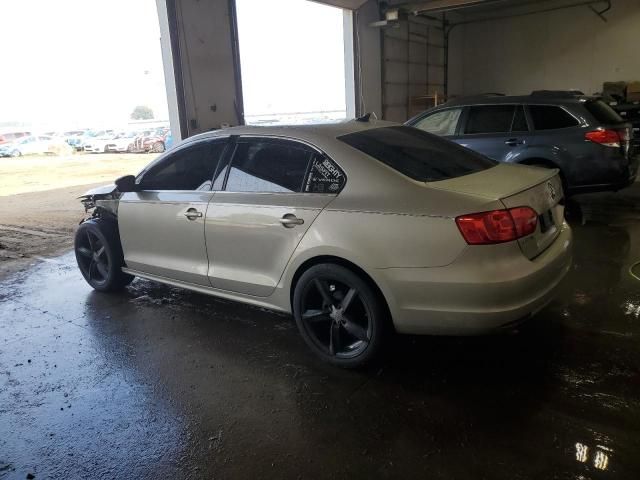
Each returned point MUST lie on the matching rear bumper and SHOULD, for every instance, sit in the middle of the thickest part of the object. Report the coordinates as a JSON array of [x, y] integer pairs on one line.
[[628, 177], [486, 289]]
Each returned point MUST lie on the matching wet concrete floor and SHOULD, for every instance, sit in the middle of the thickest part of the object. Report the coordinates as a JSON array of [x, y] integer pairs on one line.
[[158, 382]]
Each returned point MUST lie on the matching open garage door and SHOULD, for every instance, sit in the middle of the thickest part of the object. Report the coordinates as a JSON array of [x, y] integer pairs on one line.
[[413, 67]]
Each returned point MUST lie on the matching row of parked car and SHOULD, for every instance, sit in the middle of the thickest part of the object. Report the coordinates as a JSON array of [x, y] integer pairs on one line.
[[18, 143]]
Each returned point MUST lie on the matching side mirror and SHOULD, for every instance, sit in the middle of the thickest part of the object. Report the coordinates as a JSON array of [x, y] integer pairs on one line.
[[126, 184]]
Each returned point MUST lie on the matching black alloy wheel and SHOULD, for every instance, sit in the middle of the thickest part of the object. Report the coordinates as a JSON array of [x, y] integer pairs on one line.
[[339, 315], [99, 256], [92, 258]]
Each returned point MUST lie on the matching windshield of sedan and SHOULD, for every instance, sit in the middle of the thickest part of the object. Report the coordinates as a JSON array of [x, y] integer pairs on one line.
[[417, 154]]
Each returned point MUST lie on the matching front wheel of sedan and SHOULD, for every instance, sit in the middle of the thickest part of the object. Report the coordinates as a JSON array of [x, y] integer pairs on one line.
[[99, 256], [341, 318]]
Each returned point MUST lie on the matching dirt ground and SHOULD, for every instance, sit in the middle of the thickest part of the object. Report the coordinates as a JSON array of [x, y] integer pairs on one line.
[[39, 209]]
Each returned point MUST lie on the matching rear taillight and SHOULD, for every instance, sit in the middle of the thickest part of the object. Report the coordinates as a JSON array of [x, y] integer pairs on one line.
[[608, 138], [497, 226]]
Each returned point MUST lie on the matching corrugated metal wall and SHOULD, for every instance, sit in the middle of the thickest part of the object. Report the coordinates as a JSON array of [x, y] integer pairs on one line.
[[413, 64]]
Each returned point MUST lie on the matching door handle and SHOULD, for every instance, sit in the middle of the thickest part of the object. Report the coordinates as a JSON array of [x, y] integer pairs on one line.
[[289, 220], [512, 142], [192, 214]]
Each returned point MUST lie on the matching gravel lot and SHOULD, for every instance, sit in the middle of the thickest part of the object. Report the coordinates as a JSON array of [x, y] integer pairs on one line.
[[39, 209]]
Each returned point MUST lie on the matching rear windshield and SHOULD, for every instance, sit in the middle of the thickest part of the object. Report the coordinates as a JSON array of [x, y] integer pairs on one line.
[[417, 154], [602, 112]]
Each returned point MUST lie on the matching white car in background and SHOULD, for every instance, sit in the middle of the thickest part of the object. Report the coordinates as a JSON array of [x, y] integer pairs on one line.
[[121, 142], [34, 145]]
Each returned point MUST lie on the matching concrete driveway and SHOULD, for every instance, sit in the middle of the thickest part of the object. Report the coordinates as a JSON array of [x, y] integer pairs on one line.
[[157, 382]]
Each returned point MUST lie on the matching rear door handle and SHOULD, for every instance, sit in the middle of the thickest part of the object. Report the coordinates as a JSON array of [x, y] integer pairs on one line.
[[192, 214], [289, 220], [512, 142]]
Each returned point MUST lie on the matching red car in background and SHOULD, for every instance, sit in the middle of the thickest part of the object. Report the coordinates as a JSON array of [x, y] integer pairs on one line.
[[11, 136], [151, 141]]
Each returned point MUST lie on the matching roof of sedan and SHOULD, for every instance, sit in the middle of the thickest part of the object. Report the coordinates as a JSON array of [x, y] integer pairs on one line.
[[326, 130]]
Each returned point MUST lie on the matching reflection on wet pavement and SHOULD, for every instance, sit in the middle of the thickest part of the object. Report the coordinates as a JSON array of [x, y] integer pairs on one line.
[[158, 382]]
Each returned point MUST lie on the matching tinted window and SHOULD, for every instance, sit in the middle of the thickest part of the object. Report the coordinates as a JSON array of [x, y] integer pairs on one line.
[[416, 154], [602, 112], [440, 123], [268, 167], [324, 176], [548, 117], [189, 168], [519, 121], [489, 119]]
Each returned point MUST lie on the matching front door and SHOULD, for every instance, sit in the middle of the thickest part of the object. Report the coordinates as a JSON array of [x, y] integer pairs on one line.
[[274, 191], [162, 226]]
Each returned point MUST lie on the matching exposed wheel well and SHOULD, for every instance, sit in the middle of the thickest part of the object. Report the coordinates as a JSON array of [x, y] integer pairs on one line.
[[344, 263]]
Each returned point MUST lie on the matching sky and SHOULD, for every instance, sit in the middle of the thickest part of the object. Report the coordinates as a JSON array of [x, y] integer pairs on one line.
[[273, 32], [87, 63], [79, 63]]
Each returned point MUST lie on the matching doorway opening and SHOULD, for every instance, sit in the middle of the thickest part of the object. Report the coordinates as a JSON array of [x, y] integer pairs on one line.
[[296, 59]]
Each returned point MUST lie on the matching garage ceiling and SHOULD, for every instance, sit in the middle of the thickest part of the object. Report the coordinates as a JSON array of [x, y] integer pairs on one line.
[[348, 4], [472, 7]]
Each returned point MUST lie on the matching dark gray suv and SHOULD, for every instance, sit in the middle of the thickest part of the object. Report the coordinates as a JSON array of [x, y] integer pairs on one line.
[[582, 136]]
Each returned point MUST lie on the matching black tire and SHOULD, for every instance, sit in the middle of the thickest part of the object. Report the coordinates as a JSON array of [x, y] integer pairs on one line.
[[16, 153], [157, 147], [351, 336], [99, 255]]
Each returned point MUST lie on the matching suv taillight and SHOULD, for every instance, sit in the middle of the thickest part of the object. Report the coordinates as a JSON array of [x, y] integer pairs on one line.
[[606, 137], [497, 226]]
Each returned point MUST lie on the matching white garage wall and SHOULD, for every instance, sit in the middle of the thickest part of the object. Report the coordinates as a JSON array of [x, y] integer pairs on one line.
[[565, 49]]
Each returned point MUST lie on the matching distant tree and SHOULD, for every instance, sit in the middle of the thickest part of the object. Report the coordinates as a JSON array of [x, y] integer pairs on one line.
[[142, 112]]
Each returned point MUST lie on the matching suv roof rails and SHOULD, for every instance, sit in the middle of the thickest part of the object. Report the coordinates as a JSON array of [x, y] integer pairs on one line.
[[557, 93]]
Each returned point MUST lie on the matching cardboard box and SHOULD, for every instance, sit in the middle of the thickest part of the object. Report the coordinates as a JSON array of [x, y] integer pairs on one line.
[[633, 92]]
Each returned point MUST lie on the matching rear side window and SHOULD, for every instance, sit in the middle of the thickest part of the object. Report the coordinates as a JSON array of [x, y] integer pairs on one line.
[[489, 119], [324, 176], [259, 166], [417, 154], [602, 112], [548, 117], [440, 123]]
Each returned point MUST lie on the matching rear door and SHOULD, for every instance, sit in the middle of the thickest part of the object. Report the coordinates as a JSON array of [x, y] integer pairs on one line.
[[498, 131], [162, 226], [274, 190]]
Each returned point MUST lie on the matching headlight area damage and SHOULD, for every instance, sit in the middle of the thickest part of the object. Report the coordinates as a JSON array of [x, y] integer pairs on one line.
[[101, 202]]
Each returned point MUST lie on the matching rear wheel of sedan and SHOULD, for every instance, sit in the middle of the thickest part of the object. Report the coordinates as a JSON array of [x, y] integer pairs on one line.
[[99, 256], [340, 316]]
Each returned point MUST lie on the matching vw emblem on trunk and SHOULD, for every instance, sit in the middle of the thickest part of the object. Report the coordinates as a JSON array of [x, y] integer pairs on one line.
[[552, 191]]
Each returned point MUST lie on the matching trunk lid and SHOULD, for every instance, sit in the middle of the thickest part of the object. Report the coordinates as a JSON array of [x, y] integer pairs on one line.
[[518, 186]]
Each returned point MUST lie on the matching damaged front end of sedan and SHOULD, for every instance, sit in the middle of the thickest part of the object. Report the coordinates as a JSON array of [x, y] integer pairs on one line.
[[101, 202]]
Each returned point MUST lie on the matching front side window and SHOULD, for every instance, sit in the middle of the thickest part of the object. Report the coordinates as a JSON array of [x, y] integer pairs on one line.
[[519, 120], [440, 123], [549, 117], [189, 168], [417, 154], [268, 167], [489, 119]]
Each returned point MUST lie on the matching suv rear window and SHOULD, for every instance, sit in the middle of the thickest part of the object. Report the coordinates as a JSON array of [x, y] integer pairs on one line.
[[417, 154], [548, 117], [602, 112]]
